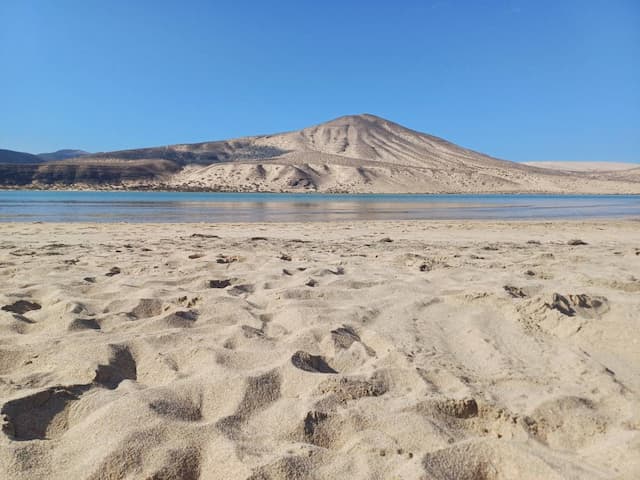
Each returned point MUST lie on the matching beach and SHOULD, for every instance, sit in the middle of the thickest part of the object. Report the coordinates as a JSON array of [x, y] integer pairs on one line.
[[363, 350]]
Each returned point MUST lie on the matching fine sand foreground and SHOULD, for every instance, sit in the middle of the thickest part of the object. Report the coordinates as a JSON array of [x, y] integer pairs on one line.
[[389, 350]]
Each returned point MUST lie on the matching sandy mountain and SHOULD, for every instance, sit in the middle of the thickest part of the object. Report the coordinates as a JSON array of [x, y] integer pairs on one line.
[[356, 153], [365, 153]]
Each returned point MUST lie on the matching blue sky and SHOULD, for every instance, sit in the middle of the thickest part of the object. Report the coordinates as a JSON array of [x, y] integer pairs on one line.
[[520, 80]]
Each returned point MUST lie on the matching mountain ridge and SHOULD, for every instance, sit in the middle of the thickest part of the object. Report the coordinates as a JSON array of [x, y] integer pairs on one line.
[[350, 154], [15, 157], [63, 154]]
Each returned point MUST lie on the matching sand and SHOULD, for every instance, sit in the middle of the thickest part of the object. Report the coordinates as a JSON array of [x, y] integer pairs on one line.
[[390, 350]]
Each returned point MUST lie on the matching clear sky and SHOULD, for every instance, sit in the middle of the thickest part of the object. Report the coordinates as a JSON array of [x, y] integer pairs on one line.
[[520, 80]]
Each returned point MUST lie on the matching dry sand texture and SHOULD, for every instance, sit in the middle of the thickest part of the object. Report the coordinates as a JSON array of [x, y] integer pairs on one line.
[[412, 350]]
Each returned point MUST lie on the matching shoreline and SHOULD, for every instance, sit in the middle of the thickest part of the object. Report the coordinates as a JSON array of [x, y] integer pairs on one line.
[[313, 192], [364, 223]]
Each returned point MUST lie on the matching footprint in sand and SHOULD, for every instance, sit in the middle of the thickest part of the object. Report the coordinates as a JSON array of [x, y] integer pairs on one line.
[[121, 366], [260, 392], [181, 319], [582, 304], [43, 415], [80, 324], [311, 363], [113, 271], [146, 308], [514, 292], [218, 283], [241, 289], [177, 407], [40, 416], [21, 307], [345, 336], [252, 332]]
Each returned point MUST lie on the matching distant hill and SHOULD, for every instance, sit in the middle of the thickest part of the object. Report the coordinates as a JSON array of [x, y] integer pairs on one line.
[[350, 154], [62, 155], [13, 157], [10, 156], [585, 166]]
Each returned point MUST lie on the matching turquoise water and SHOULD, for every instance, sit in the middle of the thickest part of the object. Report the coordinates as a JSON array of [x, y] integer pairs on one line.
[[54, 206]]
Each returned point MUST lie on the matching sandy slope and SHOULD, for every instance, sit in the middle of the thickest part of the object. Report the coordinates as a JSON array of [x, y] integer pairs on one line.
[[320, 351], [365, 153]]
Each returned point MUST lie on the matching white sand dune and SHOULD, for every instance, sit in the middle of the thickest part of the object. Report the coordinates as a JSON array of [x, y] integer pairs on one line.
[[586, 166], [395, 350]]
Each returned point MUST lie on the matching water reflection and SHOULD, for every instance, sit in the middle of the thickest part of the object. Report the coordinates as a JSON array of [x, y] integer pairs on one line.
[[192, 207]]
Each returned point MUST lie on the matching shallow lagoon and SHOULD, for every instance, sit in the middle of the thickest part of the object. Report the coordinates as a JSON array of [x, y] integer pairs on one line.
[[169, 207]]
